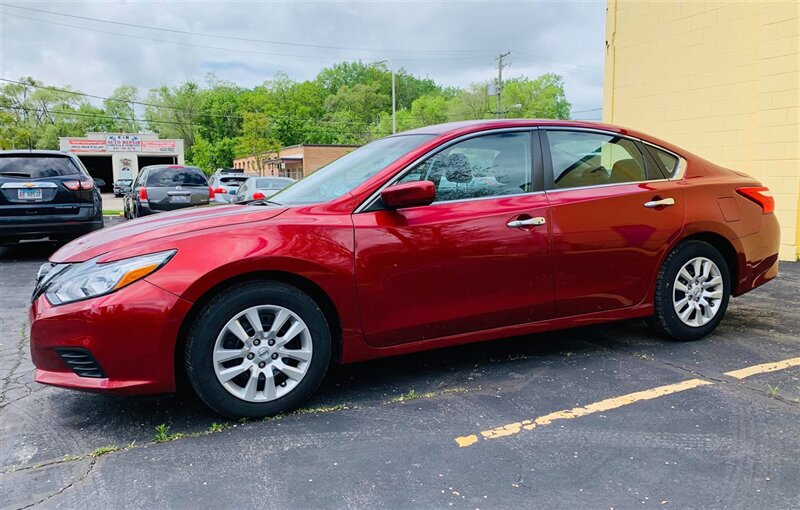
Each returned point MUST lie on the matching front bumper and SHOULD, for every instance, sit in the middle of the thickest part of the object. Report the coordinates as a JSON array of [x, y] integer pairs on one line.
[[130, 334]]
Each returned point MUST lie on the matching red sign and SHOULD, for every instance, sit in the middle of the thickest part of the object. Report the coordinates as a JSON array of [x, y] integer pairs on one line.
[[158, 146], [82, 145]]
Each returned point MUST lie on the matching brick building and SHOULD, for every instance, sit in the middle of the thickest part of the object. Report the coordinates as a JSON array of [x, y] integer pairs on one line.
[[295, 161], [721, 80]]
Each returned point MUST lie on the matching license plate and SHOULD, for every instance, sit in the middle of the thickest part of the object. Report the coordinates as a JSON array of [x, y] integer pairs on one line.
[[29, 194], [179, 198]]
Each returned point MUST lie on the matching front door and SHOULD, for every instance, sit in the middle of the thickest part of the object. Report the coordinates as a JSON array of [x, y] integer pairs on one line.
[[477, 258]]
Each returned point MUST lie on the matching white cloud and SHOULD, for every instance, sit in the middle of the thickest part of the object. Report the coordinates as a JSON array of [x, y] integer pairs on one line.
[[453, 43]]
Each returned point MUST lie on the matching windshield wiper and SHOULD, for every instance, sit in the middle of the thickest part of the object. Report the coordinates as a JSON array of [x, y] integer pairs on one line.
[[16, 174], [263, 202]]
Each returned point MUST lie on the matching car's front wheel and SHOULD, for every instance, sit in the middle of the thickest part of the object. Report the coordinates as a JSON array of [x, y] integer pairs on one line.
[[258, 349], [692, 292]]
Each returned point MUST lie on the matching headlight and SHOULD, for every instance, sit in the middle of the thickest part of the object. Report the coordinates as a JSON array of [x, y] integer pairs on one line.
[[90, 279]]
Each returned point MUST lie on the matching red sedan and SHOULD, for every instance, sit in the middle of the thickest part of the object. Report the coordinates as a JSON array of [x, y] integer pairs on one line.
[[435, 237]]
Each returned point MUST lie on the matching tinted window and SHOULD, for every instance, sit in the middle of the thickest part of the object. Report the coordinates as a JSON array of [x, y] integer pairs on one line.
[[167, 177], [491, 165], [666, 161], [272, 183], [34, 167], [592, 159]]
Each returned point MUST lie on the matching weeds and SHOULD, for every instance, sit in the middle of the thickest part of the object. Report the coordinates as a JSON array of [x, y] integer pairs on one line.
[[773, 391], [102, 450]]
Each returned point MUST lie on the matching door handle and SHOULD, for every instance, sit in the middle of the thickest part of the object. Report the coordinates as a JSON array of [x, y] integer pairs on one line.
[[530, 222], [663, 202]]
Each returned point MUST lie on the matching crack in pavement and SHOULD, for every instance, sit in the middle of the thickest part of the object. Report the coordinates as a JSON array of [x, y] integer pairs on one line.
[[89, 469]]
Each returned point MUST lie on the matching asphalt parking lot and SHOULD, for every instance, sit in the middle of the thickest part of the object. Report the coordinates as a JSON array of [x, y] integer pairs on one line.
[[599, 417]]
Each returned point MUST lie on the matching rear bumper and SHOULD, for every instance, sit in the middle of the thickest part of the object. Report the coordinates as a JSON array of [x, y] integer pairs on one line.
[[31, 227], [758, 259], [131, 334]]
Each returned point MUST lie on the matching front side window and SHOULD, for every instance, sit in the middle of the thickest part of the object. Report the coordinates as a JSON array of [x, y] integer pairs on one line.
[[485, 166], [591, 159]]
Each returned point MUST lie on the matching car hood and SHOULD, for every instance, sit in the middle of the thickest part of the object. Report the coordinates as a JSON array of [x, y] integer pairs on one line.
[[136, 232]]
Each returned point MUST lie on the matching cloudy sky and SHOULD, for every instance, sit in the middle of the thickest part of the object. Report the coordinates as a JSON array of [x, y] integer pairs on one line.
[[454, 43]]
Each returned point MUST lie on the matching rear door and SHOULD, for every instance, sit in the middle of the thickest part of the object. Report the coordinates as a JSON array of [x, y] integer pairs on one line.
[[34, 185], [174, 187], [478, 258], [613, 215]]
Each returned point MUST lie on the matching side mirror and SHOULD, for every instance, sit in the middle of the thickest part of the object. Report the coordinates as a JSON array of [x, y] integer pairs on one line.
[[99, 183], [409, 194]]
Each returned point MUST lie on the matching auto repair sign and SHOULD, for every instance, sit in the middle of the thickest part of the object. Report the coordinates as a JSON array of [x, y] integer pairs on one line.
[[123, 143]]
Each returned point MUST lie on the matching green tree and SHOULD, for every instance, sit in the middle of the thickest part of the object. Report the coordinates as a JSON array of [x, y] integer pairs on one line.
[[541, 98], [121, 108], [175, 112], [257, 139]]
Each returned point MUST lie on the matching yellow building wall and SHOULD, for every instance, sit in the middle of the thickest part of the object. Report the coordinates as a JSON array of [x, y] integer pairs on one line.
[[721, 79]]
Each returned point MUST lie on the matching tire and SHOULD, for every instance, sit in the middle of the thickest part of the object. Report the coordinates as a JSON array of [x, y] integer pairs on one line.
[[709, 301], [250, 394]]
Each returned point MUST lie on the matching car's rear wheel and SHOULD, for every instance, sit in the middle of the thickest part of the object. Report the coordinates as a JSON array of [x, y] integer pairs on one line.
[[258, 349], [692, 292]]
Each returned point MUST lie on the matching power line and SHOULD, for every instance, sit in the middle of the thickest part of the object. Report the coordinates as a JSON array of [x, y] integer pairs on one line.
[[220, 48], [245, 39], [586, 111]]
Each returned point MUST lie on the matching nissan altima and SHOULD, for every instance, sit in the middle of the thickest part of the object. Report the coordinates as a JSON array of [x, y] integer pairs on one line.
[[434, 237]]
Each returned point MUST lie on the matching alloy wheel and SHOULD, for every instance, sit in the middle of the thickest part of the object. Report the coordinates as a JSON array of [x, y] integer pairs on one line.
[[697, 292], [262, 353]]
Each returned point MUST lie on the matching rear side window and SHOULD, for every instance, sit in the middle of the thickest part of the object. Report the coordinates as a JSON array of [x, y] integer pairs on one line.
[[667, 162], [591, 159], [35, 167], [168, 177]]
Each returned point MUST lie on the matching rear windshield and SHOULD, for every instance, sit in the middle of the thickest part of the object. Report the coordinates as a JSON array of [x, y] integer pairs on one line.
[[34, 167], [272, 183], [232, 181], [185, 176]]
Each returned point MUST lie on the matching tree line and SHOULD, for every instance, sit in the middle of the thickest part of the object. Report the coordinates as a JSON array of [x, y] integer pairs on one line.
[[347, 103]]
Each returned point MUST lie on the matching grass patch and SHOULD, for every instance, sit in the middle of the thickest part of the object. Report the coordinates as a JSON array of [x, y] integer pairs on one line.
[[111, 212], [103, 450], [218, 427], [773, 391]]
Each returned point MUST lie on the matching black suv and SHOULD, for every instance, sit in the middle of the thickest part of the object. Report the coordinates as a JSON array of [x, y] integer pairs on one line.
[[47, 194]]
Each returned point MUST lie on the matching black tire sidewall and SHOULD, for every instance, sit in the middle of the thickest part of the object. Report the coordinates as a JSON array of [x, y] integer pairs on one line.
[[213, 317], [665, 311]]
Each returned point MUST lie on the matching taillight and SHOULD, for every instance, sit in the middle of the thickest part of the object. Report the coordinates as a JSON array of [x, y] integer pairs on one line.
[[760, 195], [72, 185], [142, 193], [220, 190], [258, 195], [87, 184], [210, 194]]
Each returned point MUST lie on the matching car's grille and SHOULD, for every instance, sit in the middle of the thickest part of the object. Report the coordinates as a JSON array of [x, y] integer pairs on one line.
[[81, 362]]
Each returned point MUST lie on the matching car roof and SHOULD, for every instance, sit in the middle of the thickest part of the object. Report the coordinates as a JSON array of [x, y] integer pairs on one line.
[[35, 152], [483, 124]]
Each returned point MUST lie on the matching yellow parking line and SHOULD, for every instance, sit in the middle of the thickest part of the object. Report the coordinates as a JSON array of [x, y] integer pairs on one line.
[[617, 402], [568, 414], [764, 368]]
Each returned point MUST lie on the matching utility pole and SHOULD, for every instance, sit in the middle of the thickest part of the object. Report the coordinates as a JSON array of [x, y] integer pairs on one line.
[[500, 67]]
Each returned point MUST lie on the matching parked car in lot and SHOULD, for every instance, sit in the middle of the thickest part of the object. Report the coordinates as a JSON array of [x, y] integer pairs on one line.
[[47, 194], [259, 188], [226, 182], [434, 237], [122, 186], [160, 188]]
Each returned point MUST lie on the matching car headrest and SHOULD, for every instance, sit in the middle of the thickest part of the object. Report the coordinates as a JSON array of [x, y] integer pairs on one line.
[[626, 170]]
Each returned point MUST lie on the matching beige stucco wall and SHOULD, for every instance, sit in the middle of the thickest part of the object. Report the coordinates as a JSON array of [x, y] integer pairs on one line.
[[721, 80]]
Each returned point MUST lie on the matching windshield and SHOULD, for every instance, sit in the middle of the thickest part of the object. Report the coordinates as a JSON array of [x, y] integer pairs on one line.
[[346, 173], [276, 183]]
